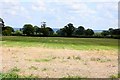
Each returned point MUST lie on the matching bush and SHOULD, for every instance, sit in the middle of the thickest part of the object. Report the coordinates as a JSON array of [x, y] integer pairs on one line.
[[17, 33]]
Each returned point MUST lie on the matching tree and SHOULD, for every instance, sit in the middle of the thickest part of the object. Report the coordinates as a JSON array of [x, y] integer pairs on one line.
[[18, 33], [105, 33], [80, 30], [116, 31], [61, 32], [89, 32], [1, 23], [69, 29], [36, 29], [44, 31], [28, 29], [50, 31], [43, 24], [111, 31], [7, 30]]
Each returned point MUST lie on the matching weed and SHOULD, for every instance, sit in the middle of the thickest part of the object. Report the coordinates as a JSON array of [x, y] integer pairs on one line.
[[15, 69], [42, 60], [44, 69], [77, 57], [30, 76], [100, 60], [68, 57], [28, 59], [54, 58], [9, 75], [33, 68], [15, 75]]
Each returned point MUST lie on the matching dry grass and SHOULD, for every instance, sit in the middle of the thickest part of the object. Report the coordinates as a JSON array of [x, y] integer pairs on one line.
[[60, 62]]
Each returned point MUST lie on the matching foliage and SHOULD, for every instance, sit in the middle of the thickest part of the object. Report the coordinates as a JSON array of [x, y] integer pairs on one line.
[[69, 29], [15, 76], [105, 33], [61, 32], [80, 31], [18, 33], [36, 29], [7, 30], [62, 42], [28, 29], [89, 32], [114, 33], [44, 31], [97, 34], [50, 31]]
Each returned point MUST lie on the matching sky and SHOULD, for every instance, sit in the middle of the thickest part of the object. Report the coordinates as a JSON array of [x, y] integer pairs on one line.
[[93, 14]]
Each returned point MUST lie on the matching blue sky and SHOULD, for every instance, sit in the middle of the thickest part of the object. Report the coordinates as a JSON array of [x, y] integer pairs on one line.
[[94, 14]]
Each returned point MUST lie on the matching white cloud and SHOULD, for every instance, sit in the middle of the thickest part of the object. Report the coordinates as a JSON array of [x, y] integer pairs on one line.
[[13, 8], [39, 5]]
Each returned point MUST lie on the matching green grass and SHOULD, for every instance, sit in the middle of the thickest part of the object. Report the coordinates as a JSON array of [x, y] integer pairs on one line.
[[73, 78], [42, 60], [15, 75], [15, 69], [61, 42], [115, 76], [33, 68]]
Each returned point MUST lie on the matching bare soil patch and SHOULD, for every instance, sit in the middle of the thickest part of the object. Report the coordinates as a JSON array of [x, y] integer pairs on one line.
[[58, 63]]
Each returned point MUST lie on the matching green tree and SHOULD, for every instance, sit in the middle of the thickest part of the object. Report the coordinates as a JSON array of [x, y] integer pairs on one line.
[[7, 30], [44, 31], [69, 29], [18, 33], [105, 33], [80, 30], [36, 29], [89, 32], [50, 31], [111, 31], [60, 32], [28, 29]]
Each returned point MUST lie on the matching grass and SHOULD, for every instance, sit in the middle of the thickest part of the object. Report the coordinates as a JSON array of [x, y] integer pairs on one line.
[[44, 69], [42, 60], [15, 75], [73, 78], [15, 69], [115, 76], [74, 57], [100, 60], [61, 42], [33, 68]]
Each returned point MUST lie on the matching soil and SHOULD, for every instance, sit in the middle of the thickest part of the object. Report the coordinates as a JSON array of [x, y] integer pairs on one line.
[[58, 63]]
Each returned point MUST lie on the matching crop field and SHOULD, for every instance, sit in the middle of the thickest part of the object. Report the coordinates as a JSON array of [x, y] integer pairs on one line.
[[58, 57]]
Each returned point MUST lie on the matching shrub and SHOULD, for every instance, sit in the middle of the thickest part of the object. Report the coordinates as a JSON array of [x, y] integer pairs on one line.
[[17, 33]]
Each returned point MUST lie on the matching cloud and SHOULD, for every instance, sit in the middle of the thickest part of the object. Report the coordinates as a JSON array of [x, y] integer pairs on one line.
[[13, 8], [39, 5], [59, 12]]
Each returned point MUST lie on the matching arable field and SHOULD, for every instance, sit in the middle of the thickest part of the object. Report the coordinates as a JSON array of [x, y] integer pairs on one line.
[[59, 57]]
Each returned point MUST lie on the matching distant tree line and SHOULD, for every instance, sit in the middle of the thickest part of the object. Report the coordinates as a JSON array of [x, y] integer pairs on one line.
[[67, 31]]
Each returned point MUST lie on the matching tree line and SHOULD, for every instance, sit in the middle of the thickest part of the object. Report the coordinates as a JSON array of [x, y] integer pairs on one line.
[[68, 30]]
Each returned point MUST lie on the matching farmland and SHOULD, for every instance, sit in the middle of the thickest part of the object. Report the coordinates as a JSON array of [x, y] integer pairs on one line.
[[59, 57]]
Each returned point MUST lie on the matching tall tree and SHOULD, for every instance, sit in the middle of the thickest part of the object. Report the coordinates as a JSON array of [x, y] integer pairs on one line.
[[36, 29], [61, 32], [69, 29], [50, 31], [1, 23], [105, 33], [28, 29], [80, 30], [7, 30], [89, 32]]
